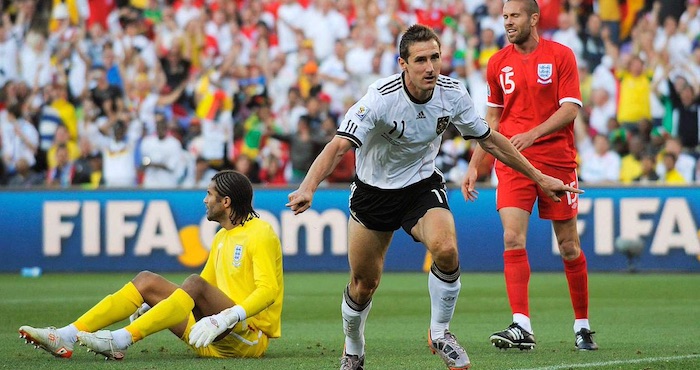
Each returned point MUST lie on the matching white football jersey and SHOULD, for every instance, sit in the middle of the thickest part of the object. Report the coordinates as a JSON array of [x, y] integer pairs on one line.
[[397, 138]]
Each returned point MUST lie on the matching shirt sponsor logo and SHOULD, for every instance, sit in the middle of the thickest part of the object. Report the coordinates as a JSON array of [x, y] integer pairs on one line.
[[420, 115], [544, 73], [362, 111]]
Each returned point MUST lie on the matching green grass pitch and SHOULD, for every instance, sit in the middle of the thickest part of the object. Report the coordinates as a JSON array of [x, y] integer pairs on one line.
[[643, 321]]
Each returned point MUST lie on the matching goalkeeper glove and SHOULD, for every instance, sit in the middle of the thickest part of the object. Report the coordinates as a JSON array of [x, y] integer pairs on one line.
[[208, 328], [140, 311]]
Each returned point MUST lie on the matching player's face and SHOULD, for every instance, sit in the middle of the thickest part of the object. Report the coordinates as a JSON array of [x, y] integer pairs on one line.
[[214, 204], [422, 68], [516, 22]]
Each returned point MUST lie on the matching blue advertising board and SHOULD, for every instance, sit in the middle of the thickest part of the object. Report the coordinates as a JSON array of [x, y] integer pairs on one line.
[[166, 230]]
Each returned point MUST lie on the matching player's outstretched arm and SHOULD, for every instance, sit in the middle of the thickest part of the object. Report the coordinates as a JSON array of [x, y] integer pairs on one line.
[[498, 146], [469, 182], [493, 117], [563, 117], [300, 200]]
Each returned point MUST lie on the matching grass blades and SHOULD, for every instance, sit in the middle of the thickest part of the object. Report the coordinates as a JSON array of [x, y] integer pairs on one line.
[[642, 321]]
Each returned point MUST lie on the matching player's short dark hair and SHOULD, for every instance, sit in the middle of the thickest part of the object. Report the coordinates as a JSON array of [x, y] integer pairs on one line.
[[531, 6], [414, 34], [237, 186]]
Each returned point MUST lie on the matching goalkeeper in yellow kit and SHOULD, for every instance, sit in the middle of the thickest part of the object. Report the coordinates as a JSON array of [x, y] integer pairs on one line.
[[231, 309]]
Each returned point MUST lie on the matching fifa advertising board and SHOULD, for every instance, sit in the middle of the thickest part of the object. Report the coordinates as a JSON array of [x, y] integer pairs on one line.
[[647, 229]]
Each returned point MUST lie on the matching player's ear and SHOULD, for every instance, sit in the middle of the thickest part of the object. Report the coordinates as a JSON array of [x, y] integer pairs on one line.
[[402, 64]]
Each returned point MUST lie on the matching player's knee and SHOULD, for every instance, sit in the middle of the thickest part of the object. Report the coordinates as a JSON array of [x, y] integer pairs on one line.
[[569, 249], [365, 288], [513, 240], [147, 283], [145, 279], [444, 253], [193, 285]]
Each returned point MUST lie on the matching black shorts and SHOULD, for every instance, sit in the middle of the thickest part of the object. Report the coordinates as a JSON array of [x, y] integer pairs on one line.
[[387, 210]]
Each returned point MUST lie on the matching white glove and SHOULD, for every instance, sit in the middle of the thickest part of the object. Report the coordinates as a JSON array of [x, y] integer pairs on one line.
[[208, 328], [139, 311]]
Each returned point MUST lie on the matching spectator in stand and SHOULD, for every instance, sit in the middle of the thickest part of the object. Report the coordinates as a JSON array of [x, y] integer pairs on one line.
[[323, 24], [118, 154], [648, 175], [314, 113], [671, 175], [309, 82], [185, 11], [289, 114], [336, 77], [8, 50], [685, 103], [488, 46], [690, 19], [35, 61], [304, 145], [161, 157], [567, 34], [290, 22], [202, 174], [281, 77], [167, 31], [61, 175], [593, 42], [61, 103], [95, 43], [493, 19], [20, 139], [176, 65], [144, 100], [259, 125], [217, 27], [109, 99], [247, 166], [272, 171], [611, 14], [600, 164], [604, 108], [115, 69], [25, 176], [85, 172], [684, 163], [635, 92], [430, 14], [631, 166], [62, 139], [671, 39]]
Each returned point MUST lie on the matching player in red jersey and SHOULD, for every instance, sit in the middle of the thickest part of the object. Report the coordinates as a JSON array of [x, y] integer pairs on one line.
[[534, 96]]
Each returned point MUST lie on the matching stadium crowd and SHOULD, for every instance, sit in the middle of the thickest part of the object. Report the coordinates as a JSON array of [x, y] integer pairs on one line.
[[161, 94]]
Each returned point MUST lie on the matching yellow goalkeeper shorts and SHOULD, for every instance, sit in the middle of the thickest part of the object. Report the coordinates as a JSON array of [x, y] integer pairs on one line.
[[242, 341]]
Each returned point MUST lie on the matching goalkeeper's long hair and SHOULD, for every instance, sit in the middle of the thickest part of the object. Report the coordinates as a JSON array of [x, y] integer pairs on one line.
[[236, 186]]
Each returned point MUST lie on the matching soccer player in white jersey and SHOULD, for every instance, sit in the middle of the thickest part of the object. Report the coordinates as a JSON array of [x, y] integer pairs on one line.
[[396, 129]]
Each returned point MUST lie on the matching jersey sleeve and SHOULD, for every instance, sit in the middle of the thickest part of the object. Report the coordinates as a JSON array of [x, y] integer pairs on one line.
[[360, 118], [494, 93], [467, 120], [569, 86], [264, 251]]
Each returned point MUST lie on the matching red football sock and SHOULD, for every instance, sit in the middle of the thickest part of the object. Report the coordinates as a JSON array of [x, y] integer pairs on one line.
[[517, 273], [577, 275]]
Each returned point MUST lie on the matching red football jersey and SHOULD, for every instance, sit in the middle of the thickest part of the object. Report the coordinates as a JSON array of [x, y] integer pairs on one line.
[[530, 88]]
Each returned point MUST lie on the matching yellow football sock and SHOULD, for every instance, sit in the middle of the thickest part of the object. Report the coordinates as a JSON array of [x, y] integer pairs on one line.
[[112, 308], [166, 314]]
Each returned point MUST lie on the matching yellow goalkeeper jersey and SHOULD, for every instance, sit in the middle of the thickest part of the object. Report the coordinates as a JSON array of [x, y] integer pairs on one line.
[[246, 264]]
